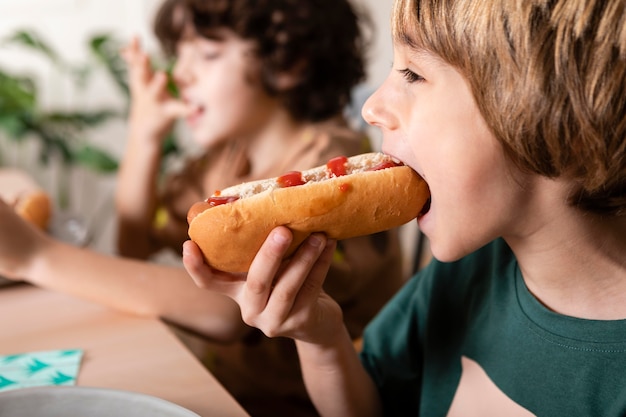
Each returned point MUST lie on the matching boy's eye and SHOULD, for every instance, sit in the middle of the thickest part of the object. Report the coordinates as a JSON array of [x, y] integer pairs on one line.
[[209, 49], [210, 56], [410, 76]]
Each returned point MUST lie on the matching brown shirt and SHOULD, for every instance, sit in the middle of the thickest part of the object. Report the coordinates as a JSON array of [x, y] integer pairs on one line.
[[227, 164], [262, 373]]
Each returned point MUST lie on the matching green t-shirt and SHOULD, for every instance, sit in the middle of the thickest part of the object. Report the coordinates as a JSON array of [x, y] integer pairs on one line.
[[468, 338]]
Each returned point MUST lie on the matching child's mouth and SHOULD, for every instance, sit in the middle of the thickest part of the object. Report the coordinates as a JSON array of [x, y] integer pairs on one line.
[[424, 209], [195, 115]]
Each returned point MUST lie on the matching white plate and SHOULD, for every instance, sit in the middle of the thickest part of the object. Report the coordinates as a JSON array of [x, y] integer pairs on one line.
[[85, 402]]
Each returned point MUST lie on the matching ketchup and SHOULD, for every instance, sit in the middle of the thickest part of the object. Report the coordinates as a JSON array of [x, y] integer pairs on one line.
[[384, 165], [337, 166], [219, 200], [344, 187], [290, 179]]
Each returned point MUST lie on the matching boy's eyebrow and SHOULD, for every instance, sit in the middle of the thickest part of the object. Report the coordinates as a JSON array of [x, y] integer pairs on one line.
[[404, 39], [420, 54]]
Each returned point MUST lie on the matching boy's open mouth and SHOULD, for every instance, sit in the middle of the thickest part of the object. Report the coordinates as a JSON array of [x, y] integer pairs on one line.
[[424, 209]]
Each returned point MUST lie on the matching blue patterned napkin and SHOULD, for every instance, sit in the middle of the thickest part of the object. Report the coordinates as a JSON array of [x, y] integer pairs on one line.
[[33, 369]]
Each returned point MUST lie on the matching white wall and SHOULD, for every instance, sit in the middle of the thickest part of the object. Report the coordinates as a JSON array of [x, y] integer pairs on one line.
[[66, 25], [380, 56]]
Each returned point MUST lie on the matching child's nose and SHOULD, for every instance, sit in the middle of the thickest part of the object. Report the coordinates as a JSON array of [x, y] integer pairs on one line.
[[181, 73], [375, 111]]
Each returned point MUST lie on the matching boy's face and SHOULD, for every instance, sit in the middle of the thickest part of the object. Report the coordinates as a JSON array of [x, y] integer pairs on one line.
[[431, 122], [219, 77]]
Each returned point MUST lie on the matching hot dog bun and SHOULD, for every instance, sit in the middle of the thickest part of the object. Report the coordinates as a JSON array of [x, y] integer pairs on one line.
[[362, 202], [28, 199]]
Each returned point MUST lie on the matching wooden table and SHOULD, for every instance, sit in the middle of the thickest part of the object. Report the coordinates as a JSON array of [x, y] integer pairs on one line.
[[120, 351]]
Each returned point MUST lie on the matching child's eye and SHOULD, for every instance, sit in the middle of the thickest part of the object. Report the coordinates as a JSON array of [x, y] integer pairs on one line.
[[210, 55], [209, 49], [410, 76]]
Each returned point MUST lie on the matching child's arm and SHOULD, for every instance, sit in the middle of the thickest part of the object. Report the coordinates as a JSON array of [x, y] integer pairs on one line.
[[286, 299], [136, 287], [152, 115], [336, 381]]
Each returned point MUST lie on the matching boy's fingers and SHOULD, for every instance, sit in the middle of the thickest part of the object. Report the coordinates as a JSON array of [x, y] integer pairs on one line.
[[139, 70], [264, 268], [194, 264], [158, 83], [205, 277], [175, 109], [312, 287], [299, 278]]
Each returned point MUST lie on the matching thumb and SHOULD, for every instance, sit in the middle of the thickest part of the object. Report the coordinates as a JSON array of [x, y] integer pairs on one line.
[[206, 277], [176, 108]]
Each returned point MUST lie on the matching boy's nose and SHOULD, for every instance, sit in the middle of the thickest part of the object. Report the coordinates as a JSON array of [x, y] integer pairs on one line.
[[368, 111], [181, 73], [376, 113]]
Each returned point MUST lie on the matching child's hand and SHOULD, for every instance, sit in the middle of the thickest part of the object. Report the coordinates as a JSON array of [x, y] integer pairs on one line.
[[279, 298], [19, 241], [153, 109]]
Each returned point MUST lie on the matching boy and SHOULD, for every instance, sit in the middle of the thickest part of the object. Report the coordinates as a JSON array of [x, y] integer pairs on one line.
[[513, 112], [263, 86]]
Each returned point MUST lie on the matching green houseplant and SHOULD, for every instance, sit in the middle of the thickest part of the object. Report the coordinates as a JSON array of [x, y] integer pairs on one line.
[[65, 133], [60, 133]]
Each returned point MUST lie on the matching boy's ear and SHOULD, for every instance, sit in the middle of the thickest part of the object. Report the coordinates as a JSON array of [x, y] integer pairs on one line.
[[286, 81], [290, 78]]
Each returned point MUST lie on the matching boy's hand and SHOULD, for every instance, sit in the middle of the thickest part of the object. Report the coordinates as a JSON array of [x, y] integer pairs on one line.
[[153, 109], [19, 241], [279, 298]]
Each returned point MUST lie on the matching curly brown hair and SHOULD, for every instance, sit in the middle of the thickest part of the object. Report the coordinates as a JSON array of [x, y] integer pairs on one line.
[[549, 78], [322, 39]]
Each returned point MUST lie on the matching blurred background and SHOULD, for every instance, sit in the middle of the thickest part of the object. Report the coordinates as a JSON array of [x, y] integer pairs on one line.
[[63, 96]]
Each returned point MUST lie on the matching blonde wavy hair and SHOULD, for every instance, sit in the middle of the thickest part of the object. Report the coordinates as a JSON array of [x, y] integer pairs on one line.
[[549, 77]]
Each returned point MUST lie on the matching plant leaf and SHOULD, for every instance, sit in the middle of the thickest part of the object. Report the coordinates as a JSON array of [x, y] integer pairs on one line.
[[81, 120], [17, 94], [31, 39], [13, 125], [106, 50], [96, 159]]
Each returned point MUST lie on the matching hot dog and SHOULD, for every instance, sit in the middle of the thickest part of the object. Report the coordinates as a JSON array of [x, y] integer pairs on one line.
[[29, 200], [345, 198]]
